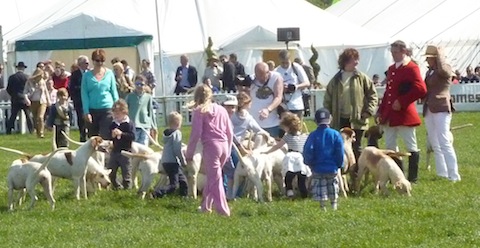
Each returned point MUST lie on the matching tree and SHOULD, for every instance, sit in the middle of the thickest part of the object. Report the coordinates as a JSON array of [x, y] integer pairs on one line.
[[323, 4]]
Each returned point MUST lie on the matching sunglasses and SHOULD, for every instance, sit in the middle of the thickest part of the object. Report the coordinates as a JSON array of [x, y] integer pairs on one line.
[[99, 60], [139, 84]]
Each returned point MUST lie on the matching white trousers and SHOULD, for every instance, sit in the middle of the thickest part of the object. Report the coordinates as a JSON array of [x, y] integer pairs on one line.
[[438, 126], [407, 133]]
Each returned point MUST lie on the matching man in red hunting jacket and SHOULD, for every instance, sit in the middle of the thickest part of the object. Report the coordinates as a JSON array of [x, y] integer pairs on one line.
[[397, 112]]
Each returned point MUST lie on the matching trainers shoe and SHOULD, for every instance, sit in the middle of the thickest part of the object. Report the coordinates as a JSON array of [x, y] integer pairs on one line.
[[290, 193]]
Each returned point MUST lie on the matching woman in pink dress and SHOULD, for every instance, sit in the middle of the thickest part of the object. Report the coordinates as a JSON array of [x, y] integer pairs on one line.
[[212, 126]]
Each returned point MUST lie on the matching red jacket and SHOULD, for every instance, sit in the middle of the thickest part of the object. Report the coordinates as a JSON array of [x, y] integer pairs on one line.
[[405, 84]]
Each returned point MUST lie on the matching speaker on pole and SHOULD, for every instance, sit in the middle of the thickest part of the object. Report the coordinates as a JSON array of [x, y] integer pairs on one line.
[[288, 34]]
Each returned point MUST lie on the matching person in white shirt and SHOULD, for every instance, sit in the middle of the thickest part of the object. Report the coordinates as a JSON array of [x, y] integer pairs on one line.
[[294, 80]]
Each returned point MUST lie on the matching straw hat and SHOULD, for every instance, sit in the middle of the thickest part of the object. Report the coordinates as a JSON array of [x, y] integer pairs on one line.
[[432, 51]]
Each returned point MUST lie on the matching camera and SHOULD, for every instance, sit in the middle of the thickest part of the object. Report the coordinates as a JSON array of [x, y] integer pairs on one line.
[[290, 88], [244, 81]]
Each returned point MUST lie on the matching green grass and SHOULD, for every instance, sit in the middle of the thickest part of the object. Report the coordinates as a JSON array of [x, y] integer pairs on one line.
[[439, 214]]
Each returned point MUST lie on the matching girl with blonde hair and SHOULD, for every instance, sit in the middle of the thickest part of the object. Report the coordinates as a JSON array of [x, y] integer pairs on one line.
[[37, 96], [211, 125], [124, 84]]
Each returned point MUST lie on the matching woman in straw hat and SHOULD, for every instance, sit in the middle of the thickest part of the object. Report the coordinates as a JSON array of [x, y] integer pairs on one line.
[[212, 126], [37, 96], [437, 110]]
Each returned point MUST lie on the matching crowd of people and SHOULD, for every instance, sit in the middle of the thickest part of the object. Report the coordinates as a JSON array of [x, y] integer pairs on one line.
[[117, 105]]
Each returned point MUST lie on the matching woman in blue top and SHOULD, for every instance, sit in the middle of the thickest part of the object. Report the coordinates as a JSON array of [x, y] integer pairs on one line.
[[99, 92]]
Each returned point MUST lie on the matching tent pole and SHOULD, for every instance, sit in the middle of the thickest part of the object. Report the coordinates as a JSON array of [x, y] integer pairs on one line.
[[160, 54], [1, 42]]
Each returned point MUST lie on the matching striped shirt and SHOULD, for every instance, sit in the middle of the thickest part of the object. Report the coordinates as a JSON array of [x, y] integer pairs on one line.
[[295, 142]]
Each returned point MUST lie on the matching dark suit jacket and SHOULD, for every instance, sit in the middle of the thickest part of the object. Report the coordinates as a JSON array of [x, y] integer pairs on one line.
[[74, 87], [16, 85], [239, 69], [228, 76], [192, 79]]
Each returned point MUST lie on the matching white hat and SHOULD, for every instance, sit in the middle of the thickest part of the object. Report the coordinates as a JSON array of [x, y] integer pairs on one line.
[[230, 100]]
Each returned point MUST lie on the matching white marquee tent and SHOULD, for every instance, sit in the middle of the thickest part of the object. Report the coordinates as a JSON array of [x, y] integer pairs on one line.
[[246, 27], [448, 23]]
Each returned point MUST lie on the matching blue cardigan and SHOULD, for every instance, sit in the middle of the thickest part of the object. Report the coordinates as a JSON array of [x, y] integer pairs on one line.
[[98, 94]]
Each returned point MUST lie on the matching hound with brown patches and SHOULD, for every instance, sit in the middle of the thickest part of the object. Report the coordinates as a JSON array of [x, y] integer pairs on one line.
[[373, 134], [383, 168], [25, 174], [77, 169]]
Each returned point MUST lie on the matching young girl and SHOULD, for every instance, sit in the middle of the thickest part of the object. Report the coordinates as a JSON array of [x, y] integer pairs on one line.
[[140, 109], [122, 135], [241, 119], [293, 162], [212, 126]]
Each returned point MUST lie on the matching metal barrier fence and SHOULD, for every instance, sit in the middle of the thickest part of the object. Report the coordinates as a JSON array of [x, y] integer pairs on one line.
[[466, 97]]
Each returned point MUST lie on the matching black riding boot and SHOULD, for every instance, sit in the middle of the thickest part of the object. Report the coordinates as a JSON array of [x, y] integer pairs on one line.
[[413, 167], [399, 163]]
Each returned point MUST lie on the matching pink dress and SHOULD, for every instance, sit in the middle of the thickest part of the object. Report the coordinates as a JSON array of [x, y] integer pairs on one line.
[[214, 129]]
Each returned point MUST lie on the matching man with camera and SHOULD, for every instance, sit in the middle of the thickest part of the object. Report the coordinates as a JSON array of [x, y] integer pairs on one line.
[[294, 80]]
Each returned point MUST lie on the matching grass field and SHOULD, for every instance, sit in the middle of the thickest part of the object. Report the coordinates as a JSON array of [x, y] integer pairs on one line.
[[439, 214]]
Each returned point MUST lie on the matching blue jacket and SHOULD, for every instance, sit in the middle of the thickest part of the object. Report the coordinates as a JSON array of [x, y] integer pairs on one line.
[[323, 150]]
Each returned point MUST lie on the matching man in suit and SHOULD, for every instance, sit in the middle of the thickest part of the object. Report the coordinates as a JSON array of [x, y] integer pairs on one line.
[[397, 112], [229, 74], [186, 76], [15, 88], [74, 88]]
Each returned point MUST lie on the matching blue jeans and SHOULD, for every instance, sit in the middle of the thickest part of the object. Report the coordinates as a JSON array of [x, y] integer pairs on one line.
[[141, 136]]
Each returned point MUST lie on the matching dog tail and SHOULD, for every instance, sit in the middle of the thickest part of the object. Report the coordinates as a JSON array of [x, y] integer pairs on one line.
[[136, 155], [305, 128], [245, 162], [71, 140], [461, 126], [28, 156], [154, 142], [54, 138], [395, 154], [47, 161]]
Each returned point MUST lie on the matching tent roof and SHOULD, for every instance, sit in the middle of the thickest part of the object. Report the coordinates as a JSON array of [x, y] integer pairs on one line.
[[91, 32], [414, 20], [186, 25]]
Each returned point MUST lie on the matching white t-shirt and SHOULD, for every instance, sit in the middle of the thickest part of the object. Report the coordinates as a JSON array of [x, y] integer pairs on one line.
[[262, 96], [294, 100]]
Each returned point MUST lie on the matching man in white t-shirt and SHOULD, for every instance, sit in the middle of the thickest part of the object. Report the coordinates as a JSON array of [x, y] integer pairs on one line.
[[294, 80], [266, 92]]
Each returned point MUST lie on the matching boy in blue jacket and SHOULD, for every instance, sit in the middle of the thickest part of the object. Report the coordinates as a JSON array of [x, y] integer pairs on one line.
[[323, 152]]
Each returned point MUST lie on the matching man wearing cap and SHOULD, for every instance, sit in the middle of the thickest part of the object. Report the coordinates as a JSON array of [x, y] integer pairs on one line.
[[186, 76], [214, 72], [397, 112], [15, 88], [323, 153], [437, 110]]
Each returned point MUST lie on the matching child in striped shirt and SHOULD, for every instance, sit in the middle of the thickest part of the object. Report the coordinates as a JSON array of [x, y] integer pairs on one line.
[[293, 165]]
